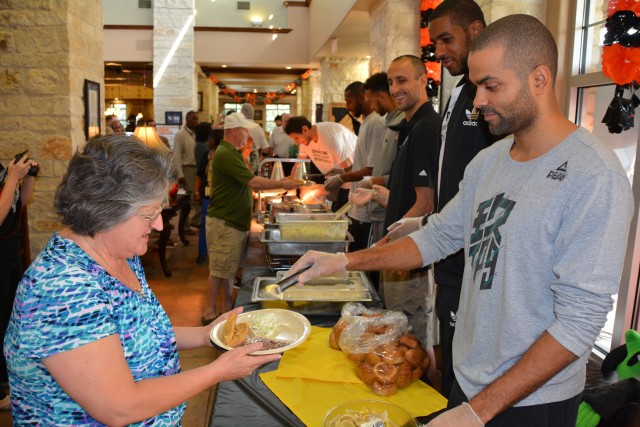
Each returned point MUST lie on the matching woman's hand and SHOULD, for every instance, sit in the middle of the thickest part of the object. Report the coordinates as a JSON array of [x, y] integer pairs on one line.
[[237, 363]]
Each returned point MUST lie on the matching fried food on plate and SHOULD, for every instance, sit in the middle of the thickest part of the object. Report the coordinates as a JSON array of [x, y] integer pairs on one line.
[[234, 334]]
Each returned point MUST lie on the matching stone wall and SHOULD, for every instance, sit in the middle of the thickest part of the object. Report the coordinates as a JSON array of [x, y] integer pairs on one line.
[[395, 31], [176, 89], [48, 49], [496, 9], [336, 75]]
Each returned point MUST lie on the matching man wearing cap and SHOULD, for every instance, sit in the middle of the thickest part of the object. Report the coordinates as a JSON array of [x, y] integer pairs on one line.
[[260, 144], [229, 213]]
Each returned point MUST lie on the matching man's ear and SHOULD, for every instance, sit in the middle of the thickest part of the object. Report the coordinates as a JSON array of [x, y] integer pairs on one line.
[[474, 29], [541, 76]]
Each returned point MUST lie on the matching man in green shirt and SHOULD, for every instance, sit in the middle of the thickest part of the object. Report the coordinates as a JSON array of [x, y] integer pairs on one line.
[[229, 213]]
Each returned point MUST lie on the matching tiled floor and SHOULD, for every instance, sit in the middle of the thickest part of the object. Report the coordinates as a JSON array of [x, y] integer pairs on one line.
[[183, 297]]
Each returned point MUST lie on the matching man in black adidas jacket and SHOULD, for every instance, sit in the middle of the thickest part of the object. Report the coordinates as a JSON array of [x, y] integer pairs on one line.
[[453, 25]]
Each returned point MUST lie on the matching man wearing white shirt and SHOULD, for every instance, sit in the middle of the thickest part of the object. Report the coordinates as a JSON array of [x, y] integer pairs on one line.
[[329, 145]]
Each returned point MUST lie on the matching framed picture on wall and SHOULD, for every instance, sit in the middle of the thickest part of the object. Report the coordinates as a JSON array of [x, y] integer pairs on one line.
[[257, 115], [199, 101], [173, 118], [91, 108]]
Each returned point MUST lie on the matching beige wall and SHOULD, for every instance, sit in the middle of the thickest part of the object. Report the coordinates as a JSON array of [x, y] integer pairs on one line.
[[48, 50]]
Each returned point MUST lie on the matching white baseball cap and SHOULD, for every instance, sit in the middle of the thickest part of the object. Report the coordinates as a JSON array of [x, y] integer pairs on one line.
[[237, 120]]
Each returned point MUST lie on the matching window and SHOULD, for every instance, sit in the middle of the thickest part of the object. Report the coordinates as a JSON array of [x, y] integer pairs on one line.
[[590, 33], [231, 107], [591, 93], [274, 110]]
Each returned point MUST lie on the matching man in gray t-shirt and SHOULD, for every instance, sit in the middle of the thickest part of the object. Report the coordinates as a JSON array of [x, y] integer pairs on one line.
[[543, 218]]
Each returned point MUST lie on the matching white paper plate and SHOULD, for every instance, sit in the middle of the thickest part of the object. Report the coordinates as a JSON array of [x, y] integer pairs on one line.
[[292, 327]]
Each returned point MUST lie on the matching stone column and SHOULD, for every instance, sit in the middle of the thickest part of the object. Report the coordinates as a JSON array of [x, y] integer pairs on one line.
[[308, 102], [336, 75], [175, 78], [395, 31], [496, 9], [48, 49]]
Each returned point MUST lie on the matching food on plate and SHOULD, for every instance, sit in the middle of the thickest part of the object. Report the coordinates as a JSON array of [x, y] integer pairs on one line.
[[264, 324], [263, 328], [362, 418], [234, 333], [267, 344]]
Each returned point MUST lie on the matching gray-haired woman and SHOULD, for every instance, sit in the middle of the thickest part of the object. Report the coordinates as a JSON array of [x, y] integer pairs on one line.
[[88, 343]]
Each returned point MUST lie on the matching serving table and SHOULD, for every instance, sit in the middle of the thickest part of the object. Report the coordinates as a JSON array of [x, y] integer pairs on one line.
[[248, 401]]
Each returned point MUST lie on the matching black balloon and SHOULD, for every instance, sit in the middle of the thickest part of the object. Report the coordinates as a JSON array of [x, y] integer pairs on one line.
[[429, 53], [621, 112], [623, 27]]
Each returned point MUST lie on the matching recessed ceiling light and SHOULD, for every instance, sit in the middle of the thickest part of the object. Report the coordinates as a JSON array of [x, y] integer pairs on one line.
[[255, 91], [288, 68], [224, 66], [271, 27], [273, 37], [270, 17]]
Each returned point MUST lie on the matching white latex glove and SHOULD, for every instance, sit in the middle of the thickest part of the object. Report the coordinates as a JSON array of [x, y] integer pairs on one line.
[[403, 227], [381, 195], [334, 171], [333, 183], [322, 264], [460, 416], [365, 182], [360, 196]]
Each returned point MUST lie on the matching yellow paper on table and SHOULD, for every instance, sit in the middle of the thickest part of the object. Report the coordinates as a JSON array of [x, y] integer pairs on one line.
[[310, 400], [313, 378], [315, 360]]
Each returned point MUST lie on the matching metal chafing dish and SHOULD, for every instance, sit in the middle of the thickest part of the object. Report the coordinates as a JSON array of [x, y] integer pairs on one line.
[[325, 295], [281, 254], [317, 227]]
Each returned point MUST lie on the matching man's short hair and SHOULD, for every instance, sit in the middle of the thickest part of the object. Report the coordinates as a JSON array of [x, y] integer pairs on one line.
[[417, 63], [278, 117], [247, 110], [377, 82], [190, 113], [460, 12], [355, 88], [295, 123], [202, 131], [526, 42]]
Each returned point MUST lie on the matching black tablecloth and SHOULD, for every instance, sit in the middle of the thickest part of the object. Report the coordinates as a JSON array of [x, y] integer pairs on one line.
[[248, 402]]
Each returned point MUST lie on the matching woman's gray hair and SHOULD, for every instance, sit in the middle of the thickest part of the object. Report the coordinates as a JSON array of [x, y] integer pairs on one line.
[[109, 181]]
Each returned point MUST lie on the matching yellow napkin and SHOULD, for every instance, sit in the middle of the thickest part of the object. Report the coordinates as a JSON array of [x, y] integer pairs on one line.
[[310, 400], [302, 361], [313, 378]]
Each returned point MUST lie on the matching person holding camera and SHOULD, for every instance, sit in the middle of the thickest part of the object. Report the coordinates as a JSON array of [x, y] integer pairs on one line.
[[13, 196]]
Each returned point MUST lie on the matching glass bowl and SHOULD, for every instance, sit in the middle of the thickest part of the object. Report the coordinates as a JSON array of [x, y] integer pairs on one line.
[[368, 413]]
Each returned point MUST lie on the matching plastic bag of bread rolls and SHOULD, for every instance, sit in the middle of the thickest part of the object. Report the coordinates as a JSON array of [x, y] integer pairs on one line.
[[387, 357]]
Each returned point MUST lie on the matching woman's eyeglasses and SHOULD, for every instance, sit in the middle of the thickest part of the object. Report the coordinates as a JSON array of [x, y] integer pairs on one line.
[[151, 218]]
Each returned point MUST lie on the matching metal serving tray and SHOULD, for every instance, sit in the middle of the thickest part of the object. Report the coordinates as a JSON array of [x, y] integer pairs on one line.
[[324, 295], [274, 246]]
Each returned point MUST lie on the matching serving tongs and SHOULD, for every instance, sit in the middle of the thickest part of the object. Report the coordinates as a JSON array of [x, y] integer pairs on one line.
[[342, 211], [288, 282]]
